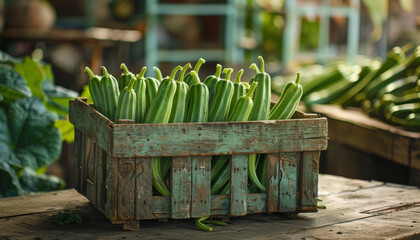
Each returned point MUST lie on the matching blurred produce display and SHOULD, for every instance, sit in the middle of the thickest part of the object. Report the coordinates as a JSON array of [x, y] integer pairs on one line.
[[169, 99], [388, 90], [33, 125]]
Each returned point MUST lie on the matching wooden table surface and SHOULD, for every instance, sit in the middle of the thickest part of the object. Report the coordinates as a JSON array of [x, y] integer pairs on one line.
[[356, 209]]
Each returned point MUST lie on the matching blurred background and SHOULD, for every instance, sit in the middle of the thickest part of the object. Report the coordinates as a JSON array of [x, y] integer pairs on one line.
[[70, 35], [73, 34]]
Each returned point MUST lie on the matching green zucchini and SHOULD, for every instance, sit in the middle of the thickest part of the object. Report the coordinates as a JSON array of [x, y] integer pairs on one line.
[[239, 89], [199, 101], [242, 109], [179, 106], [334, 90], [159, 112], [141, 99], [219, 108], [110, 94], [189, 79], [125, 77], [152, 86], [211, 82], [413, 122], [288, 102], [95, 90], [262, 95], [126, 108]]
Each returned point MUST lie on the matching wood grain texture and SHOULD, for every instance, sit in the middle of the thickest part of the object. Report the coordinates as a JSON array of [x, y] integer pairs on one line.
[[200, 188], [40, 202], [78, 148], [356, 209], [180, 187], [93, 124], [161, 207], [273, 182], [289, 167], [222, 138], [88, 155], [100, 178], [144, 189], [238, 185], [126, 188], [219, 205], [111, 187], [257, 203], [91, 172], [415, 155], [309, 180]]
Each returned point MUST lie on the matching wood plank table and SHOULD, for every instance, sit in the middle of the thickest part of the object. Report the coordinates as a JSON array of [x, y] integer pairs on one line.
[[356, 209]]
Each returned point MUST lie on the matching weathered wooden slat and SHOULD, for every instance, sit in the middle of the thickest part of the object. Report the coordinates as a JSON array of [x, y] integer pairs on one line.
[[309, 180], [401, 150], [289, 166], [415, 156], [273, 182], [181, 187], [91, 123], [238, 185], [224, 138], [78, 149], [144, 189], [100, 178], [219, 205], [126, 188], [200, 190], [88, 155], [91, 191], [257, 203], [131, 225], [111, 187], [161, 207], [91, 173]]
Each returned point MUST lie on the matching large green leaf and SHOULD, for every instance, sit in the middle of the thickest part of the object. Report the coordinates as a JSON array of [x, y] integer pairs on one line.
[[86, 93], [6, 58], [66, 130], [58, 98], [12, 85], [34, 75], [49, 76], [34, 141], [9, 183], [33, 182]]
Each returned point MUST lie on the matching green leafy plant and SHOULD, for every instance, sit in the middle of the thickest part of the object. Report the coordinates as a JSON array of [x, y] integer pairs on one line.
[[33, 124], [66, 218]]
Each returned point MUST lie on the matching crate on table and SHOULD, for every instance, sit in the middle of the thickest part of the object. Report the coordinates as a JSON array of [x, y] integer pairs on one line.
[[368, 148], [113, 166]]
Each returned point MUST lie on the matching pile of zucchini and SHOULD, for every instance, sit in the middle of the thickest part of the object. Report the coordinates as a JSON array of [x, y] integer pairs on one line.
[[184, 98], [388, 90]]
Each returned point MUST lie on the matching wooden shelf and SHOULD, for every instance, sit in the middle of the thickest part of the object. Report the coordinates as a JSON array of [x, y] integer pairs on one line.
[[90, 34]]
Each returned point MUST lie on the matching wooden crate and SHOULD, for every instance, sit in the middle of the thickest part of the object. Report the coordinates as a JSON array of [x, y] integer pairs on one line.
[[367, 148], [113, 165]]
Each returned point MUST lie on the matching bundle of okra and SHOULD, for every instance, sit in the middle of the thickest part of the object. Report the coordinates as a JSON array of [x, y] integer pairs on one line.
[[187, 99]]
